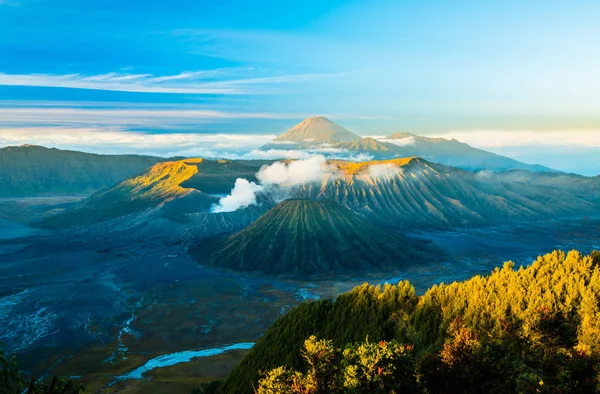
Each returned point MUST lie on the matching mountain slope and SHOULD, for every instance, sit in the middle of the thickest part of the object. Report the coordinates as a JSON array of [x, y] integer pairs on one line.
[[367, 145], [34, 170], [414, 193], [398, 193], [453, 153], [311, 237], [181, 183]]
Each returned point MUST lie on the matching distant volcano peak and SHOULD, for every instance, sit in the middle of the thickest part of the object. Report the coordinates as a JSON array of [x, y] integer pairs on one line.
[[317, 129], [317, 118]]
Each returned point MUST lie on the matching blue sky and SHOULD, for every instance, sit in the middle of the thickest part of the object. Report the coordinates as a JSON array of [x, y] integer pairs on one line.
[[77, 68]]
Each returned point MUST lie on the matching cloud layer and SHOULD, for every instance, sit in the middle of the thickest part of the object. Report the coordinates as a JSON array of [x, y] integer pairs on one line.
[[506, 138], [118, 141], [294, 173], [218, 81]]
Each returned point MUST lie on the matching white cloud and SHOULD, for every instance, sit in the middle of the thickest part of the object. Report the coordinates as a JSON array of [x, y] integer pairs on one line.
[[399, 142], [566, 150], [122, 116], [277, 154], [275, 183], [507, 138], [294, 173], [197, 82], [242, 195], [384, 170], [117, 140]]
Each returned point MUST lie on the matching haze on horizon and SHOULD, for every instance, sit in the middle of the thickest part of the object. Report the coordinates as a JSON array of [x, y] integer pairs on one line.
[[181, 77]]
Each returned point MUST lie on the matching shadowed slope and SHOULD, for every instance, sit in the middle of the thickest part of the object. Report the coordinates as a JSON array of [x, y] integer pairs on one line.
[[311, 237], [34, 170]]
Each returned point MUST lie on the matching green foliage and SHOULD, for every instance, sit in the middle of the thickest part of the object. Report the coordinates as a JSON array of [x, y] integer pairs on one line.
[[366, 311], [531, 329], [381, 367], [367, 367], [56, 386], [10, 375], [11, 381]]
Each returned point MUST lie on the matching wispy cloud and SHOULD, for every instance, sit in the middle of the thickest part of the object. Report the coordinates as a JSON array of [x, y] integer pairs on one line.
[[29, 116], [489, 139], [217, 81], [117, 140], [157, 115]]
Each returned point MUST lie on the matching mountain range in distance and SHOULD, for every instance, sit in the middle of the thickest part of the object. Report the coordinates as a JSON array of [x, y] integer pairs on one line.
[[348, 219], [346, 216], [398, 193], [29, 170], [319, 134]]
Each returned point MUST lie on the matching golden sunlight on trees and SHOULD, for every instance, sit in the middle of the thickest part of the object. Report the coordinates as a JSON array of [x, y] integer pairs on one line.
[[532, 329]]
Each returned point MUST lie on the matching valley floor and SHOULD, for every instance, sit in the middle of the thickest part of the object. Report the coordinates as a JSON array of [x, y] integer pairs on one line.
[[99, 308]]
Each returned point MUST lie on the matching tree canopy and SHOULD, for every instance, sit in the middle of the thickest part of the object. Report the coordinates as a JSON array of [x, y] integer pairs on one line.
[[531, 329]]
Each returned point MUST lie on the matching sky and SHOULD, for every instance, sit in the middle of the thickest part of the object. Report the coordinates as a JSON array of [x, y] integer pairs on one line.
[[518, 78]]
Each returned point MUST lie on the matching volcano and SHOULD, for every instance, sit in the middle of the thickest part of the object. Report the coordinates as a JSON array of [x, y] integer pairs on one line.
[[312, 237]]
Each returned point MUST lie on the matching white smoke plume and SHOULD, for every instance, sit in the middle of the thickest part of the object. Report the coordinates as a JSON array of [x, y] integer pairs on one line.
[[275, 181], [294, 173], [384, 170], [242, 195]]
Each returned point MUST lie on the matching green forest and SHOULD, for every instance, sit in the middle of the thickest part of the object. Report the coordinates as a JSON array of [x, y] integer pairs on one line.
[[534, 329]]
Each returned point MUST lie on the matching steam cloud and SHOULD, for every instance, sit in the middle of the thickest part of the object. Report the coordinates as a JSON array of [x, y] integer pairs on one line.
[[242, 195], [294, 173], [383, 170], [275, 180]]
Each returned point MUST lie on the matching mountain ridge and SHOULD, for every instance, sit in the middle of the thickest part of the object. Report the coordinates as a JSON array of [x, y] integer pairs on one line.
[[34, 170], [319, 134], [396, 193]]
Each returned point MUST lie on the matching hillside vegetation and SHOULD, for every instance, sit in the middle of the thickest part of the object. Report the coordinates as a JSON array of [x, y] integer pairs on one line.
[[529, 330]]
